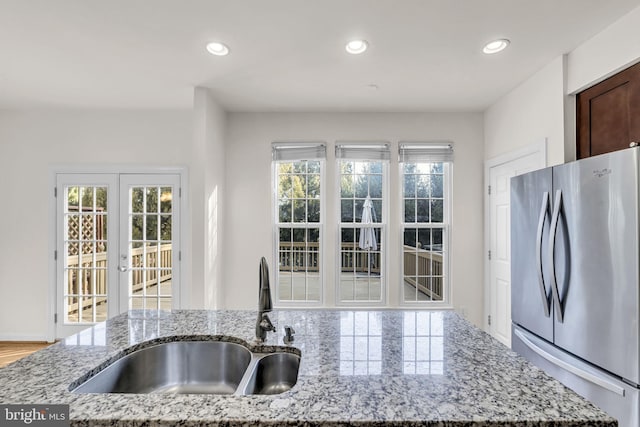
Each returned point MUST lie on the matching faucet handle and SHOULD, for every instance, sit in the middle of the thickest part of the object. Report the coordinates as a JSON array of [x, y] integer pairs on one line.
[[288, 334], [266, 324]]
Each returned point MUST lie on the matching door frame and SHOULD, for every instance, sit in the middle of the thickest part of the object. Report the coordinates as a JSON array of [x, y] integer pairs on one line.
[[185, 224], [539, 148]]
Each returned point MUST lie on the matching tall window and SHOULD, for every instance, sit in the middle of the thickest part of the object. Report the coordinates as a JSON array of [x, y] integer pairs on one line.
[[425, 175], [298, 193], [363, 182]]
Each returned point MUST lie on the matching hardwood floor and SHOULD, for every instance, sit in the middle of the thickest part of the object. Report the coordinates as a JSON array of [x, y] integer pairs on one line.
[[10, 351]]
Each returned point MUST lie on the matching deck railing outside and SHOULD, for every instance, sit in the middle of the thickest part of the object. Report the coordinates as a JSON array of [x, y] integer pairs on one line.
[[300, 256], [98, 270], [422, 268]]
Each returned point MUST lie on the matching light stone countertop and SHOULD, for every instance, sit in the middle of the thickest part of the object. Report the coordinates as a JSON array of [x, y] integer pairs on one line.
[[358, 368]]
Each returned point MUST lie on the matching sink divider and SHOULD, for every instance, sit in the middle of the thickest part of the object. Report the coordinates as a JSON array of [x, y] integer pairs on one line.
[[249, 373]]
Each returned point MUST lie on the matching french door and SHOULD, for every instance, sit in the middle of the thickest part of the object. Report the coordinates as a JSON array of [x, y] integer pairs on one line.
[[149, 256], [118, 246]]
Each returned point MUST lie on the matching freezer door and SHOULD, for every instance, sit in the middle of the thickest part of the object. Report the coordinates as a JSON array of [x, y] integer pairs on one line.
[[530, 222], [618, 399], [596, 261]]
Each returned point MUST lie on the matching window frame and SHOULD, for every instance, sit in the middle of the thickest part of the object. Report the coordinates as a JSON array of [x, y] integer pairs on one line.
[[358, 153], [445, 225], [291, 157]]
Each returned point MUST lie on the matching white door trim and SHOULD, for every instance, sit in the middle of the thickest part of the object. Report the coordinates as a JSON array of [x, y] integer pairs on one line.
[[539, 148], [185, 224]]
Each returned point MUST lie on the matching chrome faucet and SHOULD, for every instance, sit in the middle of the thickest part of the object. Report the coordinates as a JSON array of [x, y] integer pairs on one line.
[[263, 323]]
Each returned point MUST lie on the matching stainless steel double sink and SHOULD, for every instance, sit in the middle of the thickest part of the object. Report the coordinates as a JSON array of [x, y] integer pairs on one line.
[[201, 367]]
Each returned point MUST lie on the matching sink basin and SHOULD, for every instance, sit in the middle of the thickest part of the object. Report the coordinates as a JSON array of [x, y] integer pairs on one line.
[[175, 367], [196, 367], [273, 374]]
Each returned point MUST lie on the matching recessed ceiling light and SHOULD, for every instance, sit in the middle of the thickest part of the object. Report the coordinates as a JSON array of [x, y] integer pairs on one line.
[[217, 48], [495, 46], [356, 47]]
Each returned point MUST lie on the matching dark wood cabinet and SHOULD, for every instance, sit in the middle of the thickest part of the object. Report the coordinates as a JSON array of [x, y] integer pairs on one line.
[[608, 114]]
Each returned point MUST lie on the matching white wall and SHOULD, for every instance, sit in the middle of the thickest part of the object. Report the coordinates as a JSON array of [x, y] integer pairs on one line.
[[248, 213], [532, 111], [209, 164], [32, 141], [613, 49]]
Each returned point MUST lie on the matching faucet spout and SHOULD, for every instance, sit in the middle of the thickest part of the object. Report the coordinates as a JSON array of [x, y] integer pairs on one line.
[[264, 293], [263, 323]]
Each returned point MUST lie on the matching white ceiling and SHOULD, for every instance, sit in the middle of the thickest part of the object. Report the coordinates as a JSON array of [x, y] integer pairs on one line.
[[286, 55]]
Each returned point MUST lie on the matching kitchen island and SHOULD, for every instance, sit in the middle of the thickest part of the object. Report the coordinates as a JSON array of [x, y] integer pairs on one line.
[[396, 368]]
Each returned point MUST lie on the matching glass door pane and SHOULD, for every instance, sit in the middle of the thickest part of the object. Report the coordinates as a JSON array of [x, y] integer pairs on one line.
[[86, 254], [86, 288], [149, 254]]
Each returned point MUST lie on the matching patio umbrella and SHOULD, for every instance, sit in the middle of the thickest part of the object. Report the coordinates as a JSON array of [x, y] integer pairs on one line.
[[367, 234]]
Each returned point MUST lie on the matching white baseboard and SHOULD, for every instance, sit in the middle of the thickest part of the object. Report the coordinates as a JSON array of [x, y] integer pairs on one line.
[[16, 337]]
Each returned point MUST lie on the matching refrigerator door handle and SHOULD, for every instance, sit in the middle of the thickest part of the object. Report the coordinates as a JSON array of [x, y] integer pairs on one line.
[[552, 262], [541, 219], [588, 376]]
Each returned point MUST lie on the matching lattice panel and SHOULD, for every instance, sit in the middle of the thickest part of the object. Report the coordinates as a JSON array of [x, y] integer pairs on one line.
[[73, 232]]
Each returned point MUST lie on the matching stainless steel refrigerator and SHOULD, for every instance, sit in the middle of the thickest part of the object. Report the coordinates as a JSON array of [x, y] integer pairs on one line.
[[575, 267]]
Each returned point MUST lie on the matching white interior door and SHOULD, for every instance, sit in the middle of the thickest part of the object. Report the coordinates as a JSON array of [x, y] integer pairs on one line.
[[149, 261], [499, 257], [117, 246]]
